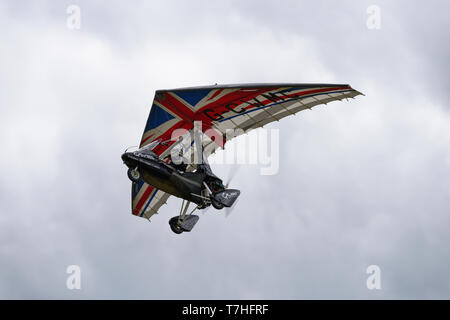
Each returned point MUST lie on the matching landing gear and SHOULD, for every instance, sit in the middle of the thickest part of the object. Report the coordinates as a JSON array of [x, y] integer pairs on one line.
[[183, 222], [216, 204], [134, 175], [175, 226]]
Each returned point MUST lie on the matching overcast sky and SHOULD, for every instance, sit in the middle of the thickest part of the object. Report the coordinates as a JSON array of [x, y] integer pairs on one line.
[[364, 182]]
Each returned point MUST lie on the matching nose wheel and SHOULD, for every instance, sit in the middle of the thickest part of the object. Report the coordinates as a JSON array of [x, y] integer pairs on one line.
[[134, 174]]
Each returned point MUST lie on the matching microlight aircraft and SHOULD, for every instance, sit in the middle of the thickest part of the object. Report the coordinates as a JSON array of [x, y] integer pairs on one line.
[[187, 125]]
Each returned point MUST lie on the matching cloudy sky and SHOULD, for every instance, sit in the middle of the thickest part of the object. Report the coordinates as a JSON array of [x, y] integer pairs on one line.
[[364, 182]]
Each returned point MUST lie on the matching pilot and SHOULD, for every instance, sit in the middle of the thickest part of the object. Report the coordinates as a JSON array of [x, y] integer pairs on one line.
[[180, 167]]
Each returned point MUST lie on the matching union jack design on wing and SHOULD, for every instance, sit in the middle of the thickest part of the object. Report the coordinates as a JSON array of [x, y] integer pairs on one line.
[[222, 108]]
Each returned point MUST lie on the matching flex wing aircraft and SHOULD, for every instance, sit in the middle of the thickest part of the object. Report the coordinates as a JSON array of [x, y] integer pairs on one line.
[[219, 109]]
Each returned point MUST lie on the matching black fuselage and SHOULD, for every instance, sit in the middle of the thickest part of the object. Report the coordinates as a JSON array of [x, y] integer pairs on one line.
[[164, 176]]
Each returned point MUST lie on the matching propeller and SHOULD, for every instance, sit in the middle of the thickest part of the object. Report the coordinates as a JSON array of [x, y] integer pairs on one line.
[[228, 210], [231, 175]]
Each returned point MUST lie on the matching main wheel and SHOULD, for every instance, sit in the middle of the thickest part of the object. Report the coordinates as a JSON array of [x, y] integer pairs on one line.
[[176, 229], [174, 225], [134, 174], [216, 204]]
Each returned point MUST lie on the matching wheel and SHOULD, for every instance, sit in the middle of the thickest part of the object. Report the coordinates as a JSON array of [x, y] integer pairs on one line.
[[174, 225], [134, 175], [176, 229], [216, 204]]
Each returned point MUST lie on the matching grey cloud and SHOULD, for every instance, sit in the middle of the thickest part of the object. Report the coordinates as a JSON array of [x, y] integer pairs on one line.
[[361, 182]]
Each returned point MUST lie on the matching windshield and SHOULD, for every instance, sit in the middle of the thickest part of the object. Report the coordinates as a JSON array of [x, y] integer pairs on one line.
[[149, 147]]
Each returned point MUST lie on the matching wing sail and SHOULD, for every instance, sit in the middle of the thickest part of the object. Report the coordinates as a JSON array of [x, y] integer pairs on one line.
[[222, 108], [146, 200]]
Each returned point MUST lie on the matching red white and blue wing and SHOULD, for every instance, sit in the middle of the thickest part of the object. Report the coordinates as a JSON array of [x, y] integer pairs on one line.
[[146, 200], [221, 108]]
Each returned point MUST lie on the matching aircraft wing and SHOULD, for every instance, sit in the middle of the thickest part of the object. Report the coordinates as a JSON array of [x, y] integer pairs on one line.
[[221, 108], [146, 200]]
